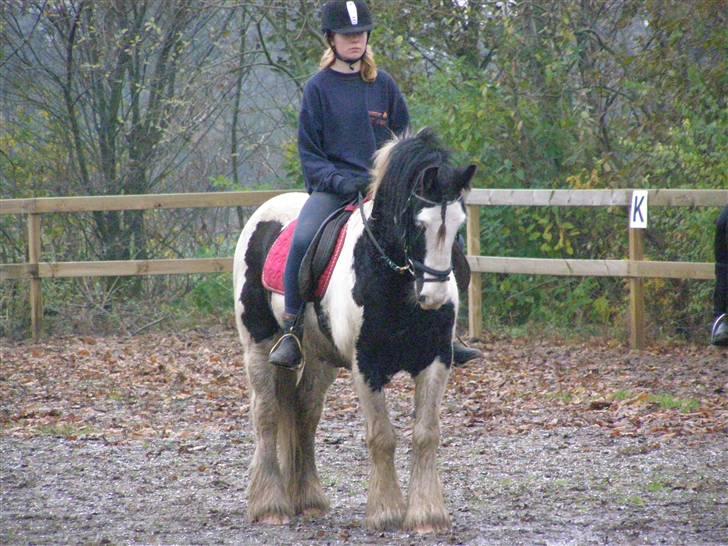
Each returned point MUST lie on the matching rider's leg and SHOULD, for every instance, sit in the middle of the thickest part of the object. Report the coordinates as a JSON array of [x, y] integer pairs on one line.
[[460, 353], [287, 353], [719, 333]]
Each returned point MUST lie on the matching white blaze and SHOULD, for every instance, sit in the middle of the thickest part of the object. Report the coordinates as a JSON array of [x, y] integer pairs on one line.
[[438, 251]]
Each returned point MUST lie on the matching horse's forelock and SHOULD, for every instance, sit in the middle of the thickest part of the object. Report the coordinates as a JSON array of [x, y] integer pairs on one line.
[[401, 161], [398, 167]]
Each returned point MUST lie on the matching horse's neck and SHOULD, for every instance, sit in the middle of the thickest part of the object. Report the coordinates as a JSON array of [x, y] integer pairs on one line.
[[383, 226], [384, 232]]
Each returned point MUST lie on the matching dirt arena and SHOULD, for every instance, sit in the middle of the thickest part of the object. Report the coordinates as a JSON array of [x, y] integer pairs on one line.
[[107, 440]]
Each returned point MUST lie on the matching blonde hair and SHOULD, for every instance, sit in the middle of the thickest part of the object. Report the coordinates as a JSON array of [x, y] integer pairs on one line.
[[368, 65]]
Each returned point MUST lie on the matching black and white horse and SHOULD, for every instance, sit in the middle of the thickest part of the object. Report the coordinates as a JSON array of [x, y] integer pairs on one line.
[[390, 306]]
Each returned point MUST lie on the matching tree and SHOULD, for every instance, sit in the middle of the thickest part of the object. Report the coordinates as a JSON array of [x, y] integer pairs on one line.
[[120, 85]]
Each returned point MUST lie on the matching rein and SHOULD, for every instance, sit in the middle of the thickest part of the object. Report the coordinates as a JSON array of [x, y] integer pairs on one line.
[[401, 269], [414, 267]]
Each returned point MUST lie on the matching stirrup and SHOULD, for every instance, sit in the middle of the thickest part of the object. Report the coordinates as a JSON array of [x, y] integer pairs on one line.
[[720, 320], [301, 363]]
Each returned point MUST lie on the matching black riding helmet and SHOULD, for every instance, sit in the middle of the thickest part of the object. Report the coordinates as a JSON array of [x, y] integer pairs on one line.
[[346, 17]]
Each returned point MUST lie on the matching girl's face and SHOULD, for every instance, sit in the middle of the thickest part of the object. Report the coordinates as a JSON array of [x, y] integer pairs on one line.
[[350, 46]]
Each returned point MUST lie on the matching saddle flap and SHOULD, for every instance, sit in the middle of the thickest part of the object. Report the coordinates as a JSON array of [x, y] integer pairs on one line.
[[318, 262], [274, 267]]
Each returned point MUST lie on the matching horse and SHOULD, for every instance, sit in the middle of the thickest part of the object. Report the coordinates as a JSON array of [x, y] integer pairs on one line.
[[390, 306]]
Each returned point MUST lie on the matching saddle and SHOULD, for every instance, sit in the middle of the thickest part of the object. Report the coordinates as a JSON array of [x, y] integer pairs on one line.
[[318, 262], [321, 257]]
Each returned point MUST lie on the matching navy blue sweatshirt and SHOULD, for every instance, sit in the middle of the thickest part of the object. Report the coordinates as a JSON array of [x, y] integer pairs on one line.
[[343, 121]]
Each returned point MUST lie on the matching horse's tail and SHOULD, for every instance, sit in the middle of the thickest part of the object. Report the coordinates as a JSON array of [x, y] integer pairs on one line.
[[288, 438]]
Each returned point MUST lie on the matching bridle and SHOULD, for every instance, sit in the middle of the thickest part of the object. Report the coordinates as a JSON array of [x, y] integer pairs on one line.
[[413, 267]]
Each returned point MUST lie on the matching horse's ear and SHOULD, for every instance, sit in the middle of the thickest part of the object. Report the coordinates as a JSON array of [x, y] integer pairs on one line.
[[429, 178], [466, 176]]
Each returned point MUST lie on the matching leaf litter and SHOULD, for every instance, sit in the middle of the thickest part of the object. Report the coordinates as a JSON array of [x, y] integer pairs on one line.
[[181, 400]]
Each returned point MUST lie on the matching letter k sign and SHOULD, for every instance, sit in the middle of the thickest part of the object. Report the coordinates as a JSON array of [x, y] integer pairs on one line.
[[638, 211]]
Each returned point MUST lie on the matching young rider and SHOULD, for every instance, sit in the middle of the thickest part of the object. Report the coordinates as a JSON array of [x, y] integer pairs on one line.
[[349, 109]]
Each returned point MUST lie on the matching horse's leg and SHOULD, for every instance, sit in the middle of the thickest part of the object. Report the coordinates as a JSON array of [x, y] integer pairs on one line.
[[307, 493], [426, 511], [268, 500], [385, 504]]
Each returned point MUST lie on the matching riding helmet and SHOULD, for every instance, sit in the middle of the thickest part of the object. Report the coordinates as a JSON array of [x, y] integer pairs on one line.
[[346, 17]]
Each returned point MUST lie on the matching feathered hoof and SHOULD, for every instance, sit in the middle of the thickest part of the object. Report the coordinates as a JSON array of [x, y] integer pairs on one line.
[[313, 513], [279, 515], [313, 503], [273, 519], [431, 525], [385, 520]]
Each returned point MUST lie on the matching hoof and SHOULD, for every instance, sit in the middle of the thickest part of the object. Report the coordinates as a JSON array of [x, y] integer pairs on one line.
[[313, 513], [428, 525], [274, 519], [385, 521], [430, 529], [313, 503]]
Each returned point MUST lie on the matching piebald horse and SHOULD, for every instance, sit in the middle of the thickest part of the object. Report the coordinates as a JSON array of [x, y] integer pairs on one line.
[[390, 306]]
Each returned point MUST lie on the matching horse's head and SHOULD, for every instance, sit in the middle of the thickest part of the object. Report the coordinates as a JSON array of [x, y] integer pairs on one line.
[[423, 194]]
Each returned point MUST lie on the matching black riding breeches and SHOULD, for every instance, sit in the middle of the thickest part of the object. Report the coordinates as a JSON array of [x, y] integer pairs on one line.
[[720, 296], [317, 208]]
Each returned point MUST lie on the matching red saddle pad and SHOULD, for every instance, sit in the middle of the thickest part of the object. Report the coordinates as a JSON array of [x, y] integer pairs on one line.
[[275, 263]]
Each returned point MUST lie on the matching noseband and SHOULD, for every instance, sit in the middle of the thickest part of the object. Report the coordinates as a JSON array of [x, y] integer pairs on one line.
[[415, 268]]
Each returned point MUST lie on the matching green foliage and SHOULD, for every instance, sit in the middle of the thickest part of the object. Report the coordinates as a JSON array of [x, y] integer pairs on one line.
[[14, 309], [582, 95], [212, 294], [669, 402], [561, 107]]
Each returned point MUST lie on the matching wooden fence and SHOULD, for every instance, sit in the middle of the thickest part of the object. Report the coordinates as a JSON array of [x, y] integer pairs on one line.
[[635, 268]]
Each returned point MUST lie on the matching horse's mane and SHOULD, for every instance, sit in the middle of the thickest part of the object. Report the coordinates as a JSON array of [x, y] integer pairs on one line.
[[398, 166]]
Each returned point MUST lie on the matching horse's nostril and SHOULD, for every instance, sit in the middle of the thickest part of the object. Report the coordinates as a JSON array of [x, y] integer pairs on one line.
[[421, 299]]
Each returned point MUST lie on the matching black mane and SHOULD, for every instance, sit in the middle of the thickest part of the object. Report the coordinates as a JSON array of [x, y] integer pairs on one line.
[[405, 164]]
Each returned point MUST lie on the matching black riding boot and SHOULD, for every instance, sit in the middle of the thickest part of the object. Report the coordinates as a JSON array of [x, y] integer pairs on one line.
[[719, 334], [462, 354], [287, 352], [461, 269]]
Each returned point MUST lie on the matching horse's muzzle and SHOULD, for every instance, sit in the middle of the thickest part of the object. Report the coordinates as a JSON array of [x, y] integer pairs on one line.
[[428, 304], [432, 296]]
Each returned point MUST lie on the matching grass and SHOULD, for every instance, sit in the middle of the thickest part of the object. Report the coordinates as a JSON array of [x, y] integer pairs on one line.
[[621, 395], [565, 397], [657, 486], [66, 431], [669, 402], [663, 401], [634, 500]]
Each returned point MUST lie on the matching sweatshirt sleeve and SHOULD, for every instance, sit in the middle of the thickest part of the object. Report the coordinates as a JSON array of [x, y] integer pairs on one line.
[[319, 172]]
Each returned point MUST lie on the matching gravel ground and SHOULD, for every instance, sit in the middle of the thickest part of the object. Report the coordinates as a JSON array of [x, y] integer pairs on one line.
[[565, 486], [570, 465]]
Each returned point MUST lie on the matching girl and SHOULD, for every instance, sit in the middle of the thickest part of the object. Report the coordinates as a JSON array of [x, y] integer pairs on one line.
[[349, 110]]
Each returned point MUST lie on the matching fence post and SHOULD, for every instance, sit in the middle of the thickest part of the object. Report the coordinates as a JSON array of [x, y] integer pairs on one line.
[[636, 291], [36, 297], [475, 289]]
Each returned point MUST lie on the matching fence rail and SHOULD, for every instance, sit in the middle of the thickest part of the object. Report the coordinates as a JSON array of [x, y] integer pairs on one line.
[[635, 268]]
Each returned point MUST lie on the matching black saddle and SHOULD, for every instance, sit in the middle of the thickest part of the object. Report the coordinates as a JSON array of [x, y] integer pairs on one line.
[[322, 247], [320, 250]]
